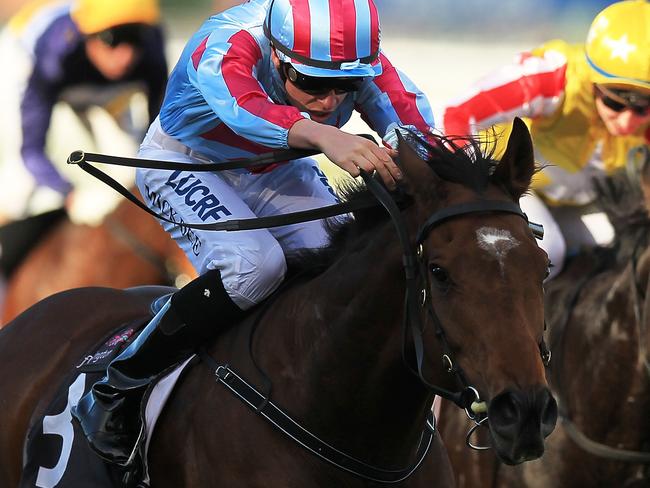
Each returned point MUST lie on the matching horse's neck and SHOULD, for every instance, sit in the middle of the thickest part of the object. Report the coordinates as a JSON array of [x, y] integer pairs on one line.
[[347, 375], [615, 338]]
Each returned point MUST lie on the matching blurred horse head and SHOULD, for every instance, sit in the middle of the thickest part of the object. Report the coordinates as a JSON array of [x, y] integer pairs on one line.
[[128, 248]]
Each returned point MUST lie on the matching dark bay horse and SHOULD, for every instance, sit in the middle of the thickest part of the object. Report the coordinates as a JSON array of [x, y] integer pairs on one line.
[[599, 327], [334, 345], [128, 248]]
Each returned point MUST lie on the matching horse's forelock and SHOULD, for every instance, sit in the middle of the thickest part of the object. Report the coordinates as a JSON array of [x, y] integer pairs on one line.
[[467, 161]]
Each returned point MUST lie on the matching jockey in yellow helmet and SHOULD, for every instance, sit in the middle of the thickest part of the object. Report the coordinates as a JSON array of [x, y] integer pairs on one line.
[[93, 16], [587, 106]]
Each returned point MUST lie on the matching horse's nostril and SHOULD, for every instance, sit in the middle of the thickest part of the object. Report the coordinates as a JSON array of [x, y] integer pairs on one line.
[[549, 413], [504, 410]]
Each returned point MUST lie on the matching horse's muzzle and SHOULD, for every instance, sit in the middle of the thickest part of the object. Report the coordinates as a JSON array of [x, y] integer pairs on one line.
[[519, 422]]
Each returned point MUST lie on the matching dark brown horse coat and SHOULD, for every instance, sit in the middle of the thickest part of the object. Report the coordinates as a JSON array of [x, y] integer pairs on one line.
[[332, 346]]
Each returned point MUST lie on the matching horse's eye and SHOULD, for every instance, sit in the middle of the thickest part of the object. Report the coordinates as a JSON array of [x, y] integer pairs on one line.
[[439, 274]]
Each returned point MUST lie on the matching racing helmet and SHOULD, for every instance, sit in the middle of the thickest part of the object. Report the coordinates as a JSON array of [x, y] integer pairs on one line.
[[325, 38], [93, 16], [618, 45]]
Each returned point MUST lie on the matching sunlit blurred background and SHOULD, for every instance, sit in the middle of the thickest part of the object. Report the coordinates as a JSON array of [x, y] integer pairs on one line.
[[443, 45]]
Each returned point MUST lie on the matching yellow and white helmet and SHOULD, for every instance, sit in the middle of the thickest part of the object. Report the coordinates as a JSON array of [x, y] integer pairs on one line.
[[93, 16], [618, 45]]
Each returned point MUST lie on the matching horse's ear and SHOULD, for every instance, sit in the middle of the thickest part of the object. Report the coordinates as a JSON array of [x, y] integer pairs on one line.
[[517, 166], [419, 175]]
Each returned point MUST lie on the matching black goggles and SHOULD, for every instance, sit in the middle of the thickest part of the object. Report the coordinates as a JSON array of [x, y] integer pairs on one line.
[[619, 100], [315, 85], [133, 34]]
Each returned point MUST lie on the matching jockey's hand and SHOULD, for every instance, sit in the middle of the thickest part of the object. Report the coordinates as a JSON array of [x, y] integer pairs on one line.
[[347, 151]]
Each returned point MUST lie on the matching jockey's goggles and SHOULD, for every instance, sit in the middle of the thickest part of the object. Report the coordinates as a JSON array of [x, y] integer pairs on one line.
[[316, 85], [619, 100], [133, 34]]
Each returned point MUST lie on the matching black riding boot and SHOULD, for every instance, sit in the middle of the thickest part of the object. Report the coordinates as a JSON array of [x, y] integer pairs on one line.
[[110, 413]]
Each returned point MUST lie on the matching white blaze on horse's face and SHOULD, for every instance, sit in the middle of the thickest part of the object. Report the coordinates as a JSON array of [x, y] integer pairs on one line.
[[496, 242]]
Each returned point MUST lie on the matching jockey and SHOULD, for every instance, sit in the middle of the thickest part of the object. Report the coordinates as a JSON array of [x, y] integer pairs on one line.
[[85, 53], [264, 75], [587, 107]]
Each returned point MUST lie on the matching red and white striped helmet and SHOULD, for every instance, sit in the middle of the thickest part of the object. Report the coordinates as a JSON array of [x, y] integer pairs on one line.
[[326, 38]]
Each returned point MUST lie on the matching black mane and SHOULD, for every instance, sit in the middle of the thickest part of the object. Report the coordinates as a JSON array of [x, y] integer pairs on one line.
[[462, 160]]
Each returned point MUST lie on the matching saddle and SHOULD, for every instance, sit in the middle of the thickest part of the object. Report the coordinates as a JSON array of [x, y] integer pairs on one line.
[[56, 454]]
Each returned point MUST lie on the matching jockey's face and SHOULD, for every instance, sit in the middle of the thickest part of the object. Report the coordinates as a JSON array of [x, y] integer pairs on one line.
[[619, 117], [319, 105], [112, 62]]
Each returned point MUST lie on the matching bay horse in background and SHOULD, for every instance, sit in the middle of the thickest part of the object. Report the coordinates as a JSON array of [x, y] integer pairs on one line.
[[598, 314], [333, 343], [128, 248]]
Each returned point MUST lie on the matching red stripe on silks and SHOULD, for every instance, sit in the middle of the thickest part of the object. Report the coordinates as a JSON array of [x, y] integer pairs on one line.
[[505, 98], [647, 135], [343, 38], [225, 135], [374, 27], [301, 27], [237, 72], [403, 101], [350, 30], [198, 53]]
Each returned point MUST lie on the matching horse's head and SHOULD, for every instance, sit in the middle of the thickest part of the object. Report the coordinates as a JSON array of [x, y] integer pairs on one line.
[[484, 274]]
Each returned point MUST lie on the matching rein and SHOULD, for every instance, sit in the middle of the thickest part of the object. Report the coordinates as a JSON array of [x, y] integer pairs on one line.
[[602, 450], [288, 426], [83, 159]]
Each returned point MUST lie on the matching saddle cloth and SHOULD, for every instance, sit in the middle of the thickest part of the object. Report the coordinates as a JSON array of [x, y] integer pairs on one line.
[[56, 454]]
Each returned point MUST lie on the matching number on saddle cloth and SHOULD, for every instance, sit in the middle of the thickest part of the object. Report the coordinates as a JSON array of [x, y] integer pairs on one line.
[[57, 455]]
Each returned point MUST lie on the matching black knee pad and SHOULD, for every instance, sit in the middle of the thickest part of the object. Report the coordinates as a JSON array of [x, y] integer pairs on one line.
[[205, 302]]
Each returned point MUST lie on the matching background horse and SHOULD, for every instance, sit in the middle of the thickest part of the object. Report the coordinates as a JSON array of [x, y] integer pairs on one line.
[[128, 248], [599, 326], [333, 345]]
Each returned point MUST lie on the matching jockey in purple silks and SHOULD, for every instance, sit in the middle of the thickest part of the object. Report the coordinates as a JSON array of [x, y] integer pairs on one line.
[[85, 53]]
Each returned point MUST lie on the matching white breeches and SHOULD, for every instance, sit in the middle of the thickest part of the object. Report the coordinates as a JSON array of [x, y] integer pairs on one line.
[[566, 229], [252, 263]]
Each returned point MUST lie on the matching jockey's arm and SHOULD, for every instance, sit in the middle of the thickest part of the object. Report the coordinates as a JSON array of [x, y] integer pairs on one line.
[[224, 73], [347, 151], [531, 87], [242, 104], [36, 112]]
